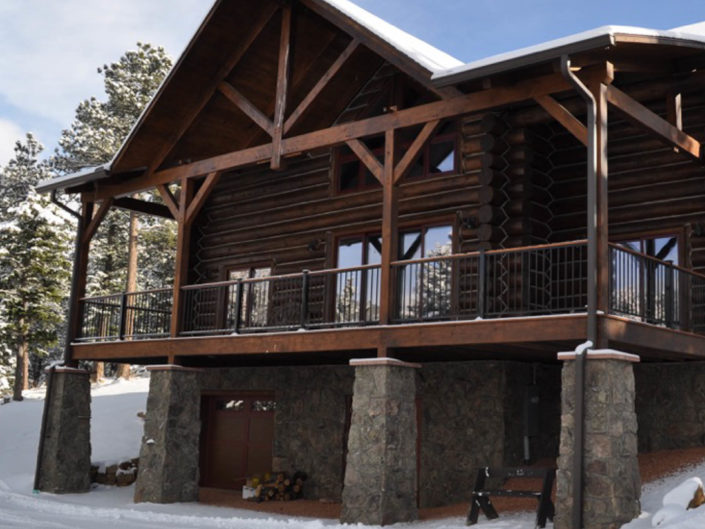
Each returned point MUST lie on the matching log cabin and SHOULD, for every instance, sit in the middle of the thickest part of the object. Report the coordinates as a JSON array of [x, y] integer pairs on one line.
[[393, 268]]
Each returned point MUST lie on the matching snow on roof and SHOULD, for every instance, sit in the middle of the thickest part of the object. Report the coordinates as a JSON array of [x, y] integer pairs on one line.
[[578, 42], [431, 58]]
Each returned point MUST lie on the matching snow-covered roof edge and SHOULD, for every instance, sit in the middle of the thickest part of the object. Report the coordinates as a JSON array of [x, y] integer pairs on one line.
[[88, 174], [586, 40], [419, 51]]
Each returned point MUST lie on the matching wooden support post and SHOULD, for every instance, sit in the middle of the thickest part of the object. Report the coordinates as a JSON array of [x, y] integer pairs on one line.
[[389, 231], [282, 87], [183, 247], [601, 172], [78, 282], [674, 112]]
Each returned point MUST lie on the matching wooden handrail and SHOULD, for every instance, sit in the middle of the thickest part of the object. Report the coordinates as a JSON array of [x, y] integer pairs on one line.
[[656, 260]]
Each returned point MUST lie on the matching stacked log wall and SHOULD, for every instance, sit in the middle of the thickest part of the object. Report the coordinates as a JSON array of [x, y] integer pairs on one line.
[[289, 220]]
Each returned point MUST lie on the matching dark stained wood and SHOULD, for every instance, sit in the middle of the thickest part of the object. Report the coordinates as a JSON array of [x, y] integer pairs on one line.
[[390, 204], [80, 272], [183, 250], [195, 205], [169, 200], [94, 223], [141, 206], [413, 151], [320, 85], [564, 117], [368, 158], [653, 122], [602, 199], [247, 107], [503, 331], [282, 87]]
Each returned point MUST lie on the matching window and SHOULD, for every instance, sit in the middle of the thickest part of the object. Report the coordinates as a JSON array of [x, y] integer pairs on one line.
[[437, 157], [663, 247], [357, 291], [255, 297]]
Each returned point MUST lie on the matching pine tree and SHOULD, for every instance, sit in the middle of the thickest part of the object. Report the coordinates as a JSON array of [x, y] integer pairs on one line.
[[34, 260], [98, 130]]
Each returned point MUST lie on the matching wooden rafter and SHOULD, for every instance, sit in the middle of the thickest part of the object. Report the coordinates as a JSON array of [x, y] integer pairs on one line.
[[142, 206], [98, 217], [256, 26], [653, 122], [282, 86], [320, 85], [335, 135], [244, 104], [563, 116], [169, 200], [368, 158], [200, 198], [413, 151]]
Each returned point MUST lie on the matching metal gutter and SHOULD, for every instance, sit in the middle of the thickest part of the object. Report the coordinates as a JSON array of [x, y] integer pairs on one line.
[[579, 409]]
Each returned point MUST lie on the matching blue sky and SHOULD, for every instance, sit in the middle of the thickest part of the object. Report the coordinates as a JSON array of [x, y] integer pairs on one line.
[[50, 50]]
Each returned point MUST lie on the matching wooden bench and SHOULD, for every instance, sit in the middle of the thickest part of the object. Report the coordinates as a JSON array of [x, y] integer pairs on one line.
[[481, 497]]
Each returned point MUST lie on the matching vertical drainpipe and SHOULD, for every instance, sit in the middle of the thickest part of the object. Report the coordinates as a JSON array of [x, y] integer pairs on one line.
[[579, 411], [74, 278]]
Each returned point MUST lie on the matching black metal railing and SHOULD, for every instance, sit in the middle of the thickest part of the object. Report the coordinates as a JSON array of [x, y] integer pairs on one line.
[[127, 316], [655, 291], [528, 281], [308, 300]]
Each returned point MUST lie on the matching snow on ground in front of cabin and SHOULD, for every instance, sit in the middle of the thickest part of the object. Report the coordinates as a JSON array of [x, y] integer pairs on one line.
[[115, 435]]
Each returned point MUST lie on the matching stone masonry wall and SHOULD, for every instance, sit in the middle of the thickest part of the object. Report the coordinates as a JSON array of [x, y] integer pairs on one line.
[[669, 399], [309, 423], [611, 475], [168, 470], [66, 458], [473, 416]]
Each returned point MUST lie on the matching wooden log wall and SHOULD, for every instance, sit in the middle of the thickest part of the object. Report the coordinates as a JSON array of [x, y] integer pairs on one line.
[[652, 188], [290, 219]]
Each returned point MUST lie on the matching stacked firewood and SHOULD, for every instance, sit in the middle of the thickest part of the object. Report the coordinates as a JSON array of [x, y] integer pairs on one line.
[[281, 488]]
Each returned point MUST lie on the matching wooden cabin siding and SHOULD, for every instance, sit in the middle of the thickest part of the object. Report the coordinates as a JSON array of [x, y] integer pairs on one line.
[[290, 219], [652, 188]]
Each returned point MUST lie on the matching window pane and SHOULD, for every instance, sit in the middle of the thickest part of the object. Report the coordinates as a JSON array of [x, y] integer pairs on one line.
[[438, 241], [370, 179], [234, 275], [348, 175], [441, 157], [349, 253], [264, 405], [374, 249], [410, 247], [230, 405]]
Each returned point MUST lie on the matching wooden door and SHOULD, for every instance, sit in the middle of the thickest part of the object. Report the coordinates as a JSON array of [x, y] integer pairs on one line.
[[237, 437]]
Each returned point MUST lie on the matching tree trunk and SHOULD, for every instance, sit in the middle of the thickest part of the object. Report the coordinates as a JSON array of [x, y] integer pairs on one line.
[[21, 370], [123, 370], [99, 372]]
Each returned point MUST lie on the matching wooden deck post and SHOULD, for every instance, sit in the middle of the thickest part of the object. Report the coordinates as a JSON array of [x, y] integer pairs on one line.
[[183, 248], [389, 230]]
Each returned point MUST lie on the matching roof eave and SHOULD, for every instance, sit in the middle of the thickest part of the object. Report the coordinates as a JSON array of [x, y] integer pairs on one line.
[[75, 179]]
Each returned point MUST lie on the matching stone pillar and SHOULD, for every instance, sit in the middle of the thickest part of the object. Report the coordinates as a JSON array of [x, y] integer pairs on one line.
[[168, 469], [65, 458], [610, 468], [380, 474]]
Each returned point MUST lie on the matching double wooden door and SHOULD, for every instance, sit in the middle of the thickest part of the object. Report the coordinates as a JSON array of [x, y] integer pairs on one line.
[[236, 440]]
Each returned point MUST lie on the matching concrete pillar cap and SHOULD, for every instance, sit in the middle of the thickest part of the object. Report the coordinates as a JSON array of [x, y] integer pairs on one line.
[[602, 354], [384, 361]]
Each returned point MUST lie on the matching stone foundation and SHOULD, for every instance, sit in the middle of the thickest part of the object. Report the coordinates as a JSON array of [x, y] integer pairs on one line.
[[66, 455], [669, 405], [168, 470], [611, 470], [380, 476]]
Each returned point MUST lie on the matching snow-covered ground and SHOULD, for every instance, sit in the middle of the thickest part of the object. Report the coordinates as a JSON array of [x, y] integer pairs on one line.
[[115, 434]]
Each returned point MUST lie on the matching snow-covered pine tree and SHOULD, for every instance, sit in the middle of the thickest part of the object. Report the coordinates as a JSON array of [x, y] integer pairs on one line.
[[34, 260], [98, 130]]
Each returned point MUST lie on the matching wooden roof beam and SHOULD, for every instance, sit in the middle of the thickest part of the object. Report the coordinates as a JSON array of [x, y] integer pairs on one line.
[[320, 85], [368, 158], [142, 206], [413, 151], [563, 116], [169, 200], [282, 87], [194, 207], [641, 115], [256, 26], [247, 107], [337, 134], [97, 218]]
